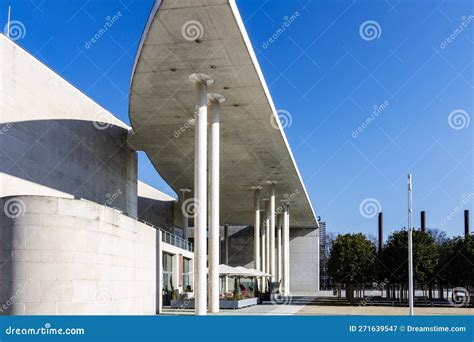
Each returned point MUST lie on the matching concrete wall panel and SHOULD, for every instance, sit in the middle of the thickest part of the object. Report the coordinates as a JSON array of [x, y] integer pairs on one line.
[[65, 256]]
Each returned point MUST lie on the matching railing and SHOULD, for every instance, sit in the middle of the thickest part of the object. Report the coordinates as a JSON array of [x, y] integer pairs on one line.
[[166, 236], [175, 240]]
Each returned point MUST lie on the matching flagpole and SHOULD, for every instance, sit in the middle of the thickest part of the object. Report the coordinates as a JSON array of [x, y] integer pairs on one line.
[[8, 22], [410, 247]]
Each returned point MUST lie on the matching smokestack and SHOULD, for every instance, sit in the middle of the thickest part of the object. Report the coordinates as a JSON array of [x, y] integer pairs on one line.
[[467, 231], [380, 231], [423, 221]]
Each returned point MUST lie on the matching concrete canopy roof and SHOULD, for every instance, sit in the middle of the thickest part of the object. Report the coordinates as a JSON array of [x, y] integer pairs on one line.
[[183, 37]]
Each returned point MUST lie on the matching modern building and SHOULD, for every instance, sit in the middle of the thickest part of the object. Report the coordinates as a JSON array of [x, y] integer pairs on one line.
[[323, 255], [80, 234]]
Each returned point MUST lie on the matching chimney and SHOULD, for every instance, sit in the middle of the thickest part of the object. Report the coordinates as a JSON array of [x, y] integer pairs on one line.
[[380, 231], [467, 231], [423, 221]]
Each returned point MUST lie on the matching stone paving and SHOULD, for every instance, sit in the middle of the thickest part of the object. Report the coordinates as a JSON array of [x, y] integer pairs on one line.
[[305, 305]]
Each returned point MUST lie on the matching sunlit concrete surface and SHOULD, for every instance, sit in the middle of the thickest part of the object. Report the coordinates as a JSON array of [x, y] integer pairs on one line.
[[305, 305], [254, 148]]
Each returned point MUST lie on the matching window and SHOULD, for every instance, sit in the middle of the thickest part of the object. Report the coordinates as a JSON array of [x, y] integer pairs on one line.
[[187, 274], [167, 271]]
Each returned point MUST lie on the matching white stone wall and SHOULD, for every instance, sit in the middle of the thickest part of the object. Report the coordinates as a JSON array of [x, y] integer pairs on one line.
[[74, 257]]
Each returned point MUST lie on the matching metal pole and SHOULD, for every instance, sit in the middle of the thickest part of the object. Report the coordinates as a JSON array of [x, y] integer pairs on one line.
[[410, 248], [8, 22]]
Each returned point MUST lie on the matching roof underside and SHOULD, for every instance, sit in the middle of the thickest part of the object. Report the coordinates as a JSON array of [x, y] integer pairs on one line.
[[254, 148]]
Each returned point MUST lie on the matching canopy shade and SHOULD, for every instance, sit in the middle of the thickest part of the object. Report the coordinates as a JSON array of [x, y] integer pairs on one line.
[[254, 148]]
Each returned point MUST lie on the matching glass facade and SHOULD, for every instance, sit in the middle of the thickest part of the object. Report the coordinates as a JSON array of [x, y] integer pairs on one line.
[[167, 271], [187, 275]]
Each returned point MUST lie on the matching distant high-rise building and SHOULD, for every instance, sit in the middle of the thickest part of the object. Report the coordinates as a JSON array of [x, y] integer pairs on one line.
[[324, 255]]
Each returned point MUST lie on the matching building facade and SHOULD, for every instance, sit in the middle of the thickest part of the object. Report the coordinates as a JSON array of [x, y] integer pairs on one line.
[[80, 234]]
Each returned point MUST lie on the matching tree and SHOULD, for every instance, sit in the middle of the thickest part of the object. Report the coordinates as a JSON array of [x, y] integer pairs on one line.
[[351, 260], [456, 262], [395, 257]]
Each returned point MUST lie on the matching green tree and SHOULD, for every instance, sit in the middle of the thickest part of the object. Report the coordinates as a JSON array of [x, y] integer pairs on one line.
[[395, 257], [456, 262], [351, 261]]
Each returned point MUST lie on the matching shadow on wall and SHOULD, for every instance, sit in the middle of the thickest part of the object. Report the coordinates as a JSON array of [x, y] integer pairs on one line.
[[158, 213], [84, 159]]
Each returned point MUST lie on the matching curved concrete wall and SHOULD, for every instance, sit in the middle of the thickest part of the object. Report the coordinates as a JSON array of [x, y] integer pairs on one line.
[[55, 141], [69, 158], [71, 257]]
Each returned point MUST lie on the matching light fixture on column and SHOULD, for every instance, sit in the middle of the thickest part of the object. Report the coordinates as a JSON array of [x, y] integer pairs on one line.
[[201, 82]]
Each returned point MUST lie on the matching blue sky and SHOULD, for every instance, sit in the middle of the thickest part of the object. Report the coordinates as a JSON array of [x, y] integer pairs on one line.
[[414, 62]]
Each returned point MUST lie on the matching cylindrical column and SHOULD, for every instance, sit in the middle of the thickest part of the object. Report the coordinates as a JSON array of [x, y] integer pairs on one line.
[[226, 254], [215, 108], [279, 248], [185, 214], [268, 236], [272, 230], [256, 228], [467, 231], [264, 253], [200, 193], [410, 249], [380, 231], [423, 221], [286, 251]]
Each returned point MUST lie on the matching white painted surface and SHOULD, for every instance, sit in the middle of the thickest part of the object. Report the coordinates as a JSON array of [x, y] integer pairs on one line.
[[214, 224]]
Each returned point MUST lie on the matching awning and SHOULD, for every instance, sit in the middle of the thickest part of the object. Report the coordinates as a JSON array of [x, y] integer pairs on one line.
[[254, 148]]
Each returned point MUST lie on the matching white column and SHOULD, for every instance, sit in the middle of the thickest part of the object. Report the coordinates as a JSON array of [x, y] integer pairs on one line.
[[272, 230], [268, 237], [159, 272], [264, 254], [215, 108], [226, 254], [279, 252], [200, 193], [185, 214], [256, 228], [286, 251]]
